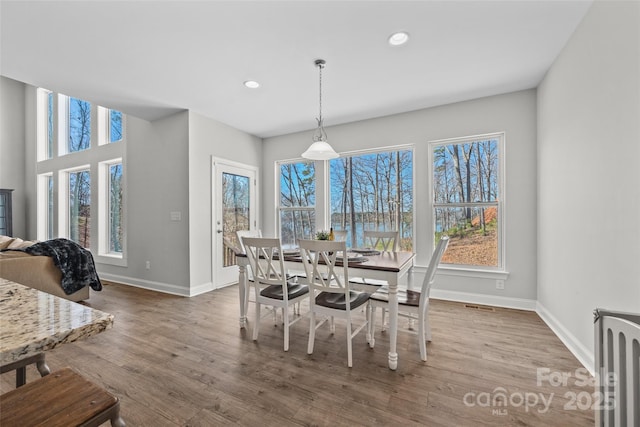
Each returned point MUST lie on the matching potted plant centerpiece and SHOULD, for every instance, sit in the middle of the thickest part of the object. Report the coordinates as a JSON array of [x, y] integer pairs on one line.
[[322, 235]]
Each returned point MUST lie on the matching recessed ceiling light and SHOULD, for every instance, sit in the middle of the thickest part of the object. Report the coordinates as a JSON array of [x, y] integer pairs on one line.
[[396, 39], [252, 84]]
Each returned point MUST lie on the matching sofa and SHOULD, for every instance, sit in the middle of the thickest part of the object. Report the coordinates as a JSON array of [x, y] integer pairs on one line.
[[37, 272]]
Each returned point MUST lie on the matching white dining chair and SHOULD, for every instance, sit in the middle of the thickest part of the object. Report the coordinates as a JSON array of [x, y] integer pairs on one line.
[[330, 294], [246, 233], [411, 304], [387, 241], [340, 235], [270, 283]]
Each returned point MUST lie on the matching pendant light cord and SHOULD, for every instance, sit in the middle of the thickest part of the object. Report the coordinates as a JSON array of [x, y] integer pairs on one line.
[[320, 66]]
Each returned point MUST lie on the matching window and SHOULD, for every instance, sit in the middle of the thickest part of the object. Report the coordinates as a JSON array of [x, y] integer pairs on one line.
[[73, 163], [115, 126], [45, 100], [78, 125], [297, 202], [467, 199], [115, 207], [79, 196], [373, 191], [49, 125]]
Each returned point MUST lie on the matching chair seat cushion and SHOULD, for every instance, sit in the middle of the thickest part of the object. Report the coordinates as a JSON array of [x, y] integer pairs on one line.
[[293, 289], [337, 301], [405, 297]]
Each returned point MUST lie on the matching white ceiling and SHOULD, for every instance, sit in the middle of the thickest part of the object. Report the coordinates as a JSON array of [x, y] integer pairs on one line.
[[153, 58]]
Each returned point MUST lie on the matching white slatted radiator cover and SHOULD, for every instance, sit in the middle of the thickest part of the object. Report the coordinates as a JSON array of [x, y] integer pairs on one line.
[[617, 358]]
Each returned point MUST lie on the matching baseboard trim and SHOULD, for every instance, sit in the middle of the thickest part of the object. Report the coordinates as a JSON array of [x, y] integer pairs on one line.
[[493, 300], [147, 284], [581, 352]]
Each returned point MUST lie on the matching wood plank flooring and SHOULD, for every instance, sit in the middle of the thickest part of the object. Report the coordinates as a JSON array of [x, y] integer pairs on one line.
[[176, 361]]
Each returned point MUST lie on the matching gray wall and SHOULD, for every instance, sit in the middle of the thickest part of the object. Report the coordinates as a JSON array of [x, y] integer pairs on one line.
[[588, 175], [12, 151], [513, 113], [208, 138], [156, 174]]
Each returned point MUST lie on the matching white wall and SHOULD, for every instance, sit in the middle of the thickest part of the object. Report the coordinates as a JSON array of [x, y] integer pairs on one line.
[[207, 138], [12, 151], [513, 113], [588, 175]]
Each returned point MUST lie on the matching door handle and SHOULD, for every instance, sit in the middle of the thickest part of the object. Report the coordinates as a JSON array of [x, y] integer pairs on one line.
[[219, 231]]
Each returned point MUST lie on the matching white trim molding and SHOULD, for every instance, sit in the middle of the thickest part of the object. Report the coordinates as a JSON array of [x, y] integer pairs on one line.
[[582, 353], [492, 300]]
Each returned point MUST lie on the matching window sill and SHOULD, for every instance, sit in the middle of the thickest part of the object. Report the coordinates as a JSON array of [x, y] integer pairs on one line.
[[473, 272], [110, 259]]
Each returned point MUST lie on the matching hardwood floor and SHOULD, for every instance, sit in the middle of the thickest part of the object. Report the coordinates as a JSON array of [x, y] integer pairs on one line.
[[177, 361]]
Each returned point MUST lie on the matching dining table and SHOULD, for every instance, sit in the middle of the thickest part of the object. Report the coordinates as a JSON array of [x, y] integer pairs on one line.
[[33, 322], [389, 267]]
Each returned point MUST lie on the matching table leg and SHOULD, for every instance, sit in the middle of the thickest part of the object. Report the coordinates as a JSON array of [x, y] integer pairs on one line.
[[393, 324], [242, 291]]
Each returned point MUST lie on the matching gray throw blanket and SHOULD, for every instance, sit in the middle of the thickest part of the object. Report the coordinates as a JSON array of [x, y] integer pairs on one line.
[[74, 261]]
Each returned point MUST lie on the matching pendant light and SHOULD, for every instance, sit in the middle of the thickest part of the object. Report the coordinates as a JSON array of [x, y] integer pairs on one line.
[[320, 149]]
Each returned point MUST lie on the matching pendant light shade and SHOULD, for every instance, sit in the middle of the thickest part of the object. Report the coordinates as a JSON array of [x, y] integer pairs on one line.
[[320, 149]]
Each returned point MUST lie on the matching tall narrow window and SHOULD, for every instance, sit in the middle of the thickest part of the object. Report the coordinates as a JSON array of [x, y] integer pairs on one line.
[[80, 207], [115, 208], [373, 192], [49, 139], [297, 202], [467, 199], [49, 204], [79, 125], [115, 126]]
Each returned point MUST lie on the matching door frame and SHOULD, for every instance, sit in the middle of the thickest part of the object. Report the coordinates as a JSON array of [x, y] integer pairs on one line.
[[219, 165]]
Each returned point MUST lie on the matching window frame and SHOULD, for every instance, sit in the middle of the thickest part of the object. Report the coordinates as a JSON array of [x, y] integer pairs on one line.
[[495, 272], [387, 149], [64, 211], [104, 203], [56, 168], [278, 194], [322, 206]]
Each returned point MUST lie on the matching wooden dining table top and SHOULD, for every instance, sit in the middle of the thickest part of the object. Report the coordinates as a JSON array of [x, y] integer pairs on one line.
[[32, 321], [384, 261]]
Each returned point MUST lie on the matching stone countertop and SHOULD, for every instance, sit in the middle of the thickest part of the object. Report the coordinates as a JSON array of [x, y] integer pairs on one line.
[[32, 321]]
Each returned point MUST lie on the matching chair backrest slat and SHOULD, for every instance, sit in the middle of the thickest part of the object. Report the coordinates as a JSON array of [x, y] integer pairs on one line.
[[386, 240], [319, 260], [264, 258], [247, 233]]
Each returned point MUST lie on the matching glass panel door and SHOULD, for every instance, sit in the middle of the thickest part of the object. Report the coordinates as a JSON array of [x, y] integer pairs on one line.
[[234, 208]]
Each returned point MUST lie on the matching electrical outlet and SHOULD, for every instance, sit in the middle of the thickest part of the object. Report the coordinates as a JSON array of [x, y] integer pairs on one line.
[[499, 284], [148, 265]]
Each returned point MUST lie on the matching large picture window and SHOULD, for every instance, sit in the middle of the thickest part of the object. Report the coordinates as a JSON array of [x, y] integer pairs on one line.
[[373, 192], [297, 202], [467, 199]]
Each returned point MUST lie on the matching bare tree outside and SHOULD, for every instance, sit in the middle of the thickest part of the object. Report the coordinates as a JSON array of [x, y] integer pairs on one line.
[[79, 181], [373, 191], [297, 202], [465, 189], [80, 207], [115, 208], [79, 125]]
